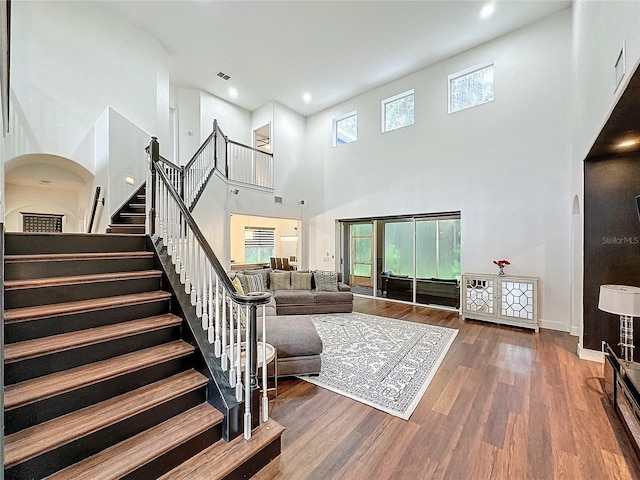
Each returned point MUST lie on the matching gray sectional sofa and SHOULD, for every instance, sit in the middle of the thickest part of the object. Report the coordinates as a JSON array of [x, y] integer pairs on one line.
[[294, 295]]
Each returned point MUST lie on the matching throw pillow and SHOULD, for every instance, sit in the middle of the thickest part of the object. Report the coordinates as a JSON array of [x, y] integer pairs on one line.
[[238, 284], [300, 281], [254, 283], [280, 280], [243, 280], [326, 281], [264, 273]]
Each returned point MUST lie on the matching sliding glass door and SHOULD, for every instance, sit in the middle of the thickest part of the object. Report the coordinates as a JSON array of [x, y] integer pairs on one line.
[[361, 254], [438, 249], [413, 258]]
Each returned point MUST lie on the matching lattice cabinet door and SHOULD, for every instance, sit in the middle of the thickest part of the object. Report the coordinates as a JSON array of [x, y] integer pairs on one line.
[[518, 299], [500, 299], [479, 295]]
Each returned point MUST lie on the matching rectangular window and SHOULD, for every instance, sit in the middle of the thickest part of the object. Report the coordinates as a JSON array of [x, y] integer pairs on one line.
[[471, 87], [259, 244], [39, 222], [397, 111], [345, 129]]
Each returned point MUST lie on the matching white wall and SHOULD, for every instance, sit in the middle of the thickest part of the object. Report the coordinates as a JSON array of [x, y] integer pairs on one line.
[[234, 121], [211, 215], [114, 149], [288, 147], [189, 137], [600, 29], [70, 60], [31, 199], [505, 165], [197, 110], [127, 158]]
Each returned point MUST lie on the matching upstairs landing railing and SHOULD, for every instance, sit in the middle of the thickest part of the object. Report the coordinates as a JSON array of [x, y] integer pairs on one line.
[[225, 315], [233, 160]]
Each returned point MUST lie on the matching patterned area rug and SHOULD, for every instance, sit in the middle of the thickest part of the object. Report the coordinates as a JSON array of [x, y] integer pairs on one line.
[[381, 362]]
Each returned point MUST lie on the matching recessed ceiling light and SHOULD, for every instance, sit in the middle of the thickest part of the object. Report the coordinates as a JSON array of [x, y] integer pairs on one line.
[[628, 143], [487, 10], [306, 96], [232, 92]]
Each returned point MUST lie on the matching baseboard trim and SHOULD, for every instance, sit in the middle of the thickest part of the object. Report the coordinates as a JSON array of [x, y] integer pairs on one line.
[[551, 325], [575, 331], [590, 355]]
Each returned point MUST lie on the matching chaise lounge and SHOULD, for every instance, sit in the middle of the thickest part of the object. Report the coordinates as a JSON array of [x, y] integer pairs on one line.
[[294, 296]]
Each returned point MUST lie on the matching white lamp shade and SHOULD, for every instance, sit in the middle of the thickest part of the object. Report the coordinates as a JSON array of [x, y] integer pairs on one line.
[[620, 299]]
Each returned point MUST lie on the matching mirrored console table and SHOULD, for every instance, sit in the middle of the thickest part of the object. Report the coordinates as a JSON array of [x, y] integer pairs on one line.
[[622, 384], [500, 299]]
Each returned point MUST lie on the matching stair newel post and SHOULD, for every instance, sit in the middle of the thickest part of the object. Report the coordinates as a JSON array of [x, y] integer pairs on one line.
[[253, 366], [226, 156], [265, 397], [153, 156], [251, 373]]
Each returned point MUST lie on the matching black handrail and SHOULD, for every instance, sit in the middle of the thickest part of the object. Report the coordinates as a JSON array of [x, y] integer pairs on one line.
[[169, 162], [202, 147], [226, 139], [259, 299], [93, 209], [250, 148], [251, 301]]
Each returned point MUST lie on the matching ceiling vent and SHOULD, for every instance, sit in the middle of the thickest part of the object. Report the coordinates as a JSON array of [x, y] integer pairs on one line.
[[278, 200], [223, 76]]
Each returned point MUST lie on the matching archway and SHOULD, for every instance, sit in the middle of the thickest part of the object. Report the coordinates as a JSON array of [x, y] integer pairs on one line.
[[44, 184]]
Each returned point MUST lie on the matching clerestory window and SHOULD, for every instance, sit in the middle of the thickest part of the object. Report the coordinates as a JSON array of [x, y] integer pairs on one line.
[[471, 87], [397, 111], [345, 128]]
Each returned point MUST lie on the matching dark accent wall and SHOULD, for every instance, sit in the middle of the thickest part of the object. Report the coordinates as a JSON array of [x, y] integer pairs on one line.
[[611, 241]]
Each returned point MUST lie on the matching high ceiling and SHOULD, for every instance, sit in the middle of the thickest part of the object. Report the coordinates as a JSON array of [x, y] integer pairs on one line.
[[333, 50]]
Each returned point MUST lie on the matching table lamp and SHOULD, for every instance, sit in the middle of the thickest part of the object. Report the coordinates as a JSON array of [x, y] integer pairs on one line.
[[622, 300]]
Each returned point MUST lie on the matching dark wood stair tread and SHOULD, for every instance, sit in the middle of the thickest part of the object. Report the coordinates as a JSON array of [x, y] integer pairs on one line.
[[127, 226], [56, 257], [80, 279], [18, 351], [66, 308], [48, 386], [222, 458], [39, 439], [127, 456]]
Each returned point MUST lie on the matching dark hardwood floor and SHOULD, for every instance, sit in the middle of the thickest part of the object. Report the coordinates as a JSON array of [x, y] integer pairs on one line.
[[504, 404]]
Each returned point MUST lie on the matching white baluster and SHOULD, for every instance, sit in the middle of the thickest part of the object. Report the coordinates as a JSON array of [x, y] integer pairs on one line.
[[184, 252], [238, 364], [232, 358], [187, 257], [224, 327], [204, 312], [247, 380], [212, 313], [197, 273], [217, 346]]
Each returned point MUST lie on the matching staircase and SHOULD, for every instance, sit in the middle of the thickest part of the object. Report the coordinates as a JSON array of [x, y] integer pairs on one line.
[[130, 218], [99, 381]]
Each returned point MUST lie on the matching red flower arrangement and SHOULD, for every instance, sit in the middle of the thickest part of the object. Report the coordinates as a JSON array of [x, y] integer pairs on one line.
[[501, 264]]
